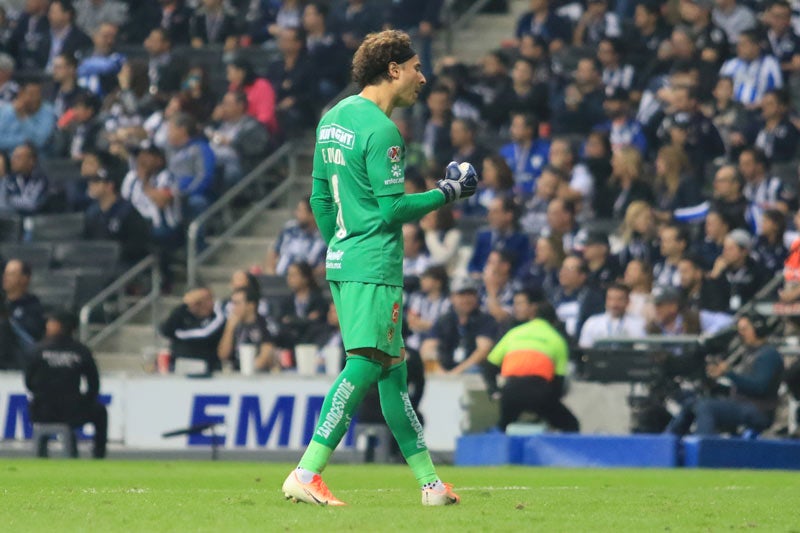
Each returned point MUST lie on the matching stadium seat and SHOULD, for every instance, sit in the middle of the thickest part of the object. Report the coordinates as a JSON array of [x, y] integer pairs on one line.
[[39, 255], [55, 289], [10, 228], [59, 171], [88, 282], [56, 227], [94, 254]]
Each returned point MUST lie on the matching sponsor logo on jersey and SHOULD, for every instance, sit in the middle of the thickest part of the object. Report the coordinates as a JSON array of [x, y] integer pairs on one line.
[[390, 334], [393, 154], [334, 133]]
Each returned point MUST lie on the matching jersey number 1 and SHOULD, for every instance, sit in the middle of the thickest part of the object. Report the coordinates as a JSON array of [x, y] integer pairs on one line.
[[341, 232]]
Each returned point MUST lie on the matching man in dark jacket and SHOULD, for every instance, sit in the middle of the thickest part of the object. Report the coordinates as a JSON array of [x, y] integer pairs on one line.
[[54, 379], [23, 324], [24, 190], [195, 327]]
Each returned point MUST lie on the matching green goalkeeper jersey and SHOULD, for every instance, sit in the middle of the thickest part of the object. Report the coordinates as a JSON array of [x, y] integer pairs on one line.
[[360, 156]]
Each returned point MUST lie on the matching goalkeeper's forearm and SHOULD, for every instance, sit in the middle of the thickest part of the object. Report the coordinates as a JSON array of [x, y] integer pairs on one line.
[[323, 208], [404, 208]]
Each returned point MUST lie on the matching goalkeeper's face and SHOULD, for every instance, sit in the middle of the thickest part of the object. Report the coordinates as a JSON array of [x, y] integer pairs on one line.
[[409, 82]]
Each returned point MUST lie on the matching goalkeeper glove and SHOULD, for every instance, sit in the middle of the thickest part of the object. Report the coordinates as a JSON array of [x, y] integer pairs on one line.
[[460, 181]]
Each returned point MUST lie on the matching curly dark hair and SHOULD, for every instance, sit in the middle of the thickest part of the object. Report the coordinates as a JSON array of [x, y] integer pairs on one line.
[[371, 60]]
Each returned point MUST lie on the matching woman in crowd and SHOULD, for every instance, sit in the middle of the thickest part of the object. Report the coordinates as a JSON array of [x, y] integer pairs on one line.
[[627, 185], [638, 277], [542, 272], [259, 91], [301, 315], [496, 180], [675, 188], [639, 235], [442, 237]]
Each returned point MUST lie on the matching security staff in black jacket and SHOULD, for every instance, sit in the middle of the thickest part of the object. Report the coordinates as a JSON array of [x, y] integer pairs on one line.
[[21, 318], [54, 379]]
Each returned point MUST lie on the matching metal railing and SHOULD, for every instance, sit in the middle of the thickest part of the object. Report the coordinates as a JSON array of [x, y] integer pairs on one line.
[[148, 265], [194, 257]]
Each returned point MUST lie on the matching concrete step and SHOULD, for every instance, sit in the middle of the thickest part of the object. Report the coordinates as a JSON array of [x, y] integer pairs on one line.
[[215, 274], [131, 338], [164, 307], [270, 223], [131, 363], [242, 252]]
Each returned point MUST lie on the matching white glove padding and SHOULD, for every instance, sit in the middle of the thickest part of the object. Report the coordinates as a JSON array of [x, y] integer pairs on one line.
[[460, 181]]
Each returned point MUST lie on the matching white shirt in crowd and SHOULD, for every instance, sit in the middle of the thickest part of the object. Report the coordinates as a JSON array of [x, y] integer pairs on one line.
[[604, 326]]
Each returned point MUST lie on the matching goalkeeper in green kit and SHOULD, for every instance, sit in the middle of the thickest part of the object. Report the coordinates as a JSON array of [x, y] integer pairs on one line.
[[360, 206]]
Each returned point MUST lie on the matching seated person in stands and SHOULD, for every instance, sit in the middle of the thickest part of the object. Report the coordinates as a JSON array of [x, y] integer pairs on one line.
[[754, 383], [111, 217], [415, 256], [700, 291], [575, 300], [246, 326], [22, 324], [604, 268], [615, 322], [736, 265], [83, 133], [58, 365], [24, 190], [502, 234], [27, 119], [673, 317], [301, 315], [299, 240], [462, 337], [194, 328], [192, 162], [497, 292]]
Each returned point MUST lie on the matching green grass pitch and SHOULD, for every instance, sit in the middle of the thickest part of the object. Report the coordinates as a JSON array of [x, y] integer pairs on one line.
[[149, 496]]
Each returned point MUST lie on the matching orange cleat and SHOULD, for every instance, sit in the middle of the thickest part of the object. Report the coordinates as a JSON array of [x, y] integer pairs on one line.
[[316, 492], [444, 496]]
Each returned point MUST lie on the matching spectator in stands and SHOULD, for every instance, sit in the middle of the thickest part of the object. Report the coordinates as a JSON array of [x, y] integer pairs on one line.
[[493, 79], [550, 184], [8, 87], [214, 25], [754, 392], [525, 95], [769, 248], [732, 120], [727, 197], [92, 13], [526, 154], [701, 292], [300, 316], [604, 269], [497, 292], [462, 337], [426, 305], [496, 180], [595, 23], [626, 179], [639, 235], [734, 18], [782, 38], [175, 17], [418, 18], [65, 78], [23, 323], [753, 72], [246, 326], [674, 241], [535, 49], [442, 237], [85, 131], [194, 328], [288, 15], [192, 162], [436, 130], [672, 317], [463, 133], [761, 190], [562, 222], [239, 141], [622, 129], [543, 22], [299, 240], [25, 189], [59, 366], [677, 193], [415, 255], [142, 18], [325, 50], [716, 228], [98, 72], [29, 42], [581, 107], [532, 358], [28, 118], [617, 321], [710, 40], [64, 36], [502, 234], [111, 217], [259, 91], [779, 136], [6, 30], [164, 69], [638, 277], [541, 272], [574, 300], [126, 107], [744, 275], [354, 22], [650, 32], [293, 78], [196, 85], [580, 183], [153, 191], [616, 74]]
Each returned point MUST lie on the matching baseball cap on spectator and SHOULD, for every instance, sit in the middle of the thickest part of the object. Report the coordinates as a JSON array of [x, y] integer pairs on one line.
[[465, 284], [109, 169], [596, 237], [663, 294], [741, 237], [617, 93]]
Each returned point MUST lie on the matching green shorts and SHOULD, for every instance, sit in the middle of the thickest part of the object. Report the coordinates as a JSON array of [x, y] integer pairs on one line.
[[370, 315]]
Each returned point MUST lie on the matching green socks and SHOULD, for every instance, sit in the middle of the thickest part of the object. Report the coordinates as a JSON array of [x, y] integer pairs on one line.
[[403, 421], [340, 404]]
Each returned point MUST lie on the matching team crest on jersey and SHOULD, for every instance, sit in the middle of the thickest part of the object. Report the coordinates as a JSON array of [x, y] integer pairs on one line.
[[393, 154], [395, 312], [390, 334]]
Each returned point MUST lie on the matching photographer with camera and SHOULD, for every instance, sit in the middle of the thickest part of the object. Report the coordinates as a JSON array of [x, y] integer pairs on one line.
[[754, 383]]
